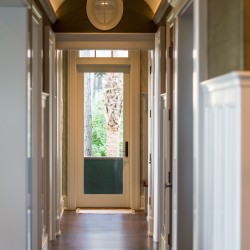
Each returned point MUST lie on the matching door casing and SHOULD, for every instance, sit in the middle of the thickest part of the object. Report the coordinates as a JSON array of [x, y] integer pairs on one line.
[[102, 200], [134, 125]]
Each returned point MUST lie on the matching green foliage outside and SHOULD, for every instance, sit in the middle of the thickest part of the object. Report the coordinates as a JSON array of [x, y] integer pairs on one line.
[[99, 132], [99, 129]]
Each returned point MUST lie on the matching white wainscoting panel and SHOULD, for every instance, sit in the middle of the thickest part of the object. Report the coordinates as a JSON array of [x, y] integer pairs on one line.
[[225, 217]]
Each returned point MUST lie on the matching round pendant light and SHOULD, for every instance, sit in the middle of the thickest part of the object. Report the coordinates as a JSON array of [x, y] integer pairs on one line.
[[104, 14]]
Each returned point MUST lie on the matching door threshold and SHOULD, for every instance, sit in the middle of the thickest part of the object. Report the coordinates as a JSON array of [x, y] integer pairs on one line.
[[105, 211]]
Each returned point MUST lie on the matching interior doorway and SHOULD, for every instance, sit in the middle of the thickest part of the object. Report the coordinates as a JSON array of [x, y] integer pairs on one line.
[[88, 184], [103, 178]]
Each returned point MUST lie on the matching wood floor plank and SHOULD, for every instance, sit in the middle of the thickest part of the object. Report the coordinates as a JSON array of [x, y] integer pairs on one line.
[[103, 232]]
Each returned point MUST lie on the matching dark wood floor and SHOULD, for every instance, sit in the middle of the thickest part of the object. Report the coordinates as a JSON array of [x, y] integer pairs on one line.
[[106, 232]]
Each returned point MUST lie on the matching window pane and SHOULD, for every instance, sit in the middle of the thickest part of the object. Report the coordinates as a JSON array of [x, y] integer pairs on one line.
[[103, 114], [87, 53], [103, 53], [103, 133], [120, 53]]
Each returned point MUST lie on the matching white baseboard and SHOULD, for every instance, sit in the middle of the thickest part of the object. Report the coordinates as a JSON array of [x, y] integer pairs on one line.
[[142, 203], [45, 243], [59, 216], [150, 225], [65, 202], [58, 226], [62, 206]]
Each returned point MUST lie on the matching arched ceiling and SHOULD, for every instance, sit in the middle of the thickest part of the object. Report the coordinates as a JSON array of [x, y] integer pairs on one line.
[[56, 4], [153, 4]]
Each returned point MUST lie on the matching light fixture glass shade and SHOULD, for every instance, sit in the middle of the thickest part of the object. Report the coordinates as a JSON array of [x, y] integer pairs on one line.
[[104, 14]]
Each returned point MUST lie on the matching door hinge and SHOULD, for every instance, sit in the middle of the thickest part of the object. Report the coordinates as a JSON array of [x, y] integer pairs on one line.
[[149, 201], [169, 114], [169, 239], [150, 70], [150, 113]]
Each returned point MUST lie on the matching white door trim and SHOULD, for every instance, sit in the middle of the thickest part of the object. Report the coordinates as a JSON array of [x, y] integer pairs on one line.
[[183, 129], [36, 172], [50, 79], [73, 159], [159, 79], [130, 41], [200, 74], [150, 209], [102, 200]]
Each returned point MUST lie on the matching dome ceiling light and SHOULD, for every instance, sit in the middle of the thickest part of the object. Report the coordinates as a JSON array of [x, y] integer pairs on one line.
[[104, 14]]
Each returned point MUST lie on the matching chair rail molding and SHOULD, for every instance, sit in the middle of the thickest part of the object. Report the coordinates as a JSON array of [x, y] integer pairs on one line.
[[225, 171], [173, 2]]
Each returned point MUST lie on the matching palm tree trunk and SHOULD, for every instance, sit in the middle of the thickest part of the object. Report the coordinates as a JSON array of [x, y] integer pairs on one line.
[[87, 115], [113, 101]]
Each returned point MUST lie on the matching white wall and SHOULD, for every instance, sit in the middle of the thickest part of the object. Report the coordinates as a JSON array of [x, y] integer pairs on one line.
[[13, 160]]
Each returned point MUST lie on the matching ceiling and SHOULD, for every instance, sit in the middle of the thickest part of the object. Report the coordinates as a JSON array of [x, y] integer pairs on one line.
[[153, 4]]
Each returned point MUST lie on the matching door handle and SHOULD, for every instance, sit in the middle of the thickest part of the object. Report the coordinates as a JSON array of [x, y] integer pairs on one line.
[[126, 149], [168, 185]]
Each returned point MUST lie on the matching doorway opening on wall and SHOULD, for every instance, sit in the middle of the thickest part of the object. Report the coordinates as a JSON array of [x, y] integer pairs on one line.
[[104, 129], [107, 93]]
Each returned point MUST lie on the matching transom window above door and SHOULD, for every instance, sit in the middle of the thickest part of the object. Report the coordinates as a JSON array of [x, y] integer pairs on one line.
[[104, 53]]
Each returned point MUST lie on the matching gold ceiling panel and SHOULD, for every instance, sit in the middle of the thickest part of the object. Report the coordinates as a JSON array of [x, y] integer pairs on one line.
[[153, 4]]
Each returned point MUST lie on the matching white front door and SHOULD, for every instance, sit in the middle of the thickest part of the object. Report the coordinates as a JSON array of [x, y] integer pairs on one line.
[[103, 118]]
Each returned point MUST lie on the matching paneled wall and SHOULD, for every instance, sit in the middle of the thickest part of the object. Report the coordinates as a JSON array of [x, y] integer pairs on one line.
[[225, 206]]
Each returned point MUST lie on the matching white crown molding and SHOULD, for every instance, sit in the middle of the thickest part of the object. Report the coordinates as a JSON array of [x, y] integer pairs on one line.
[[130, 41], [161, 11], [15, 3], [173, 3], [179, 5], [49, 10]]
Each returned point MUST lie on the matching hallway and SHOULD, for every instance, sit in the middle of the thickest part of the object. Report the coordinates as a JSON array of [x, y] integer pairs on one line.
[[106, 232]]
